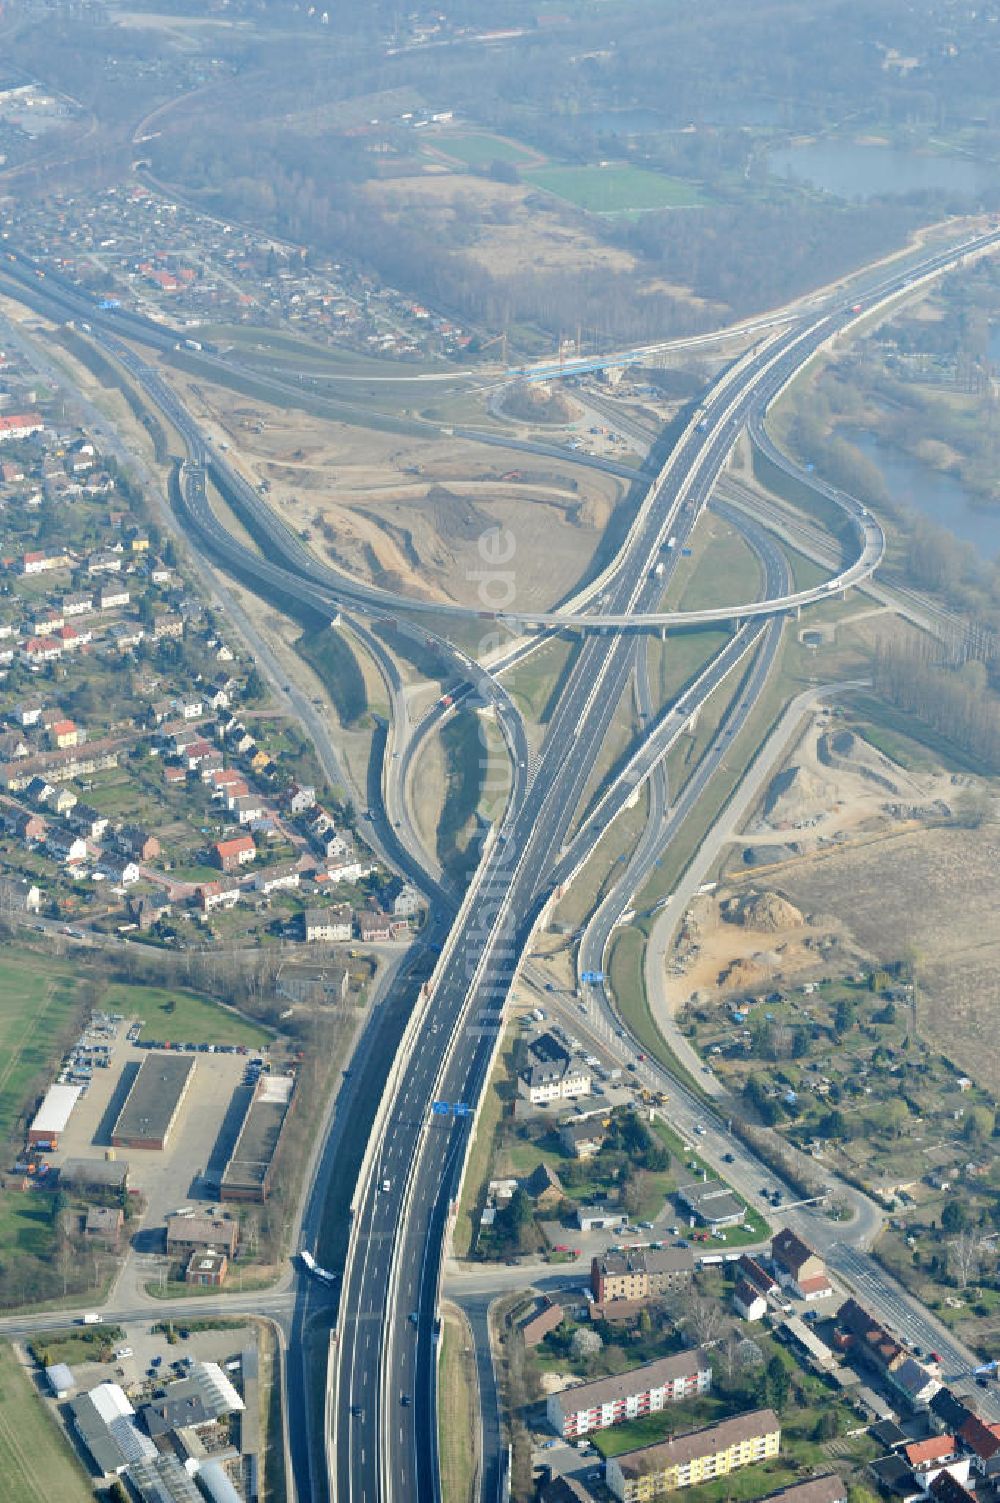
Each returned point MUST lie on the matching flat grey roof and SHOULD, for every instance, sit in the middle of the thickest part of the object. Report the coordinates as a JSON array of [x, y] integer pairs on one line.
[[256, 1144], [152, 1102]]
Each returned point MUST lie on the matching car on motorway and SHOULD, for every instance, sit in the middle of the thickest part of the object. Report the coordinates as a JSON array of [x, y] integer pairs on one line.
[[729, 1158], [404, 1399], [414, 1317], [386, 1186], [358, 1411]]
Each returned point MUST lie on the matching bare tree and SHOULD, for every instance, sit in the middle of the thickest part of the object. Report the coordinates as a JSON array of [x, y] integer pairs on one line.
[[965, 1254], [703, 1319]]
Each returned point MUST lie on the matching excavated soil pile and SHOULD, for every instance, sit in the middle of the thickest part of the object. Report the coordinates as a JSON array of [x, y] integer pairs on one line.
[[767, 911]]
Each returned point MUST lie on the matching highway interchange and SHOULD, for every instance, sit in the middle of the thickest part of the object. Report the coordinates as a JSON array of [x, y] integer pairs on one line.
[[380, 1440]]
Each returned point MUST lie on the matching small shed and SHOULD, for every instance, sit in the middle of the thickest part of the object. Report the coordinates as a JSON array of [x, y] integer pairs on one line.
[[60, 1379]]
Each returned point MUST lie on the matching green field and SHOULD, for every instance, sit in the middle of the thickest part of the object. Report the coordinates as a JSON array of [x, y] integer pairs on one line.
[[615, 190], [36, 1009], [180, 1017], [480, 150], [36, 1462]]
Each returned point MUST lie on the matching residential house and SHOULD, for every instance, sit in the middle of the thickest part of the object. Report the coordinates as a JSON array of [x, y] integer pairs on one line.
[[35, 651], [374, 926], [212, 895], [698, 1456], [150, 909], [18, 895], [630, 1396], [273, 878], [187, 1234], [104, 562], [641, 1273], [168, 627], [232, 854], [328, 925], [112, 597], [983, 1441], [537, 1326], [137, 842], [124, 635], [247, 808], [88, 822], [583, 1137], [300, 798], [407, 902], [66, 733], [874, 1346], [551, 1073], [24, 824], [207, 1269], [41, 562], [748, 1302], [66, 847], [798, 1267], [544, 1187]]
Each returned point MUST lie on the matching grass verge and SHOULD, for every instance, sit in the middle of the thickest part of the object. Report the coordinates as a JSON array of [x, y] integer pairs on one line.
[[458, 1420], [330, 657], [36, 1462]]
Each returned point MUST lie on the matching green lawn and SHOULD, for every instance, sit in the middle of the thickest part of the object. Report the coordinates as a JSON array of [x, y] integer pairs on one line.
[[676, 1419], [75, 1346], [25, 1224], [615, 189], [479, 150], [180, 1017], [36, 1462], [36, 1009]]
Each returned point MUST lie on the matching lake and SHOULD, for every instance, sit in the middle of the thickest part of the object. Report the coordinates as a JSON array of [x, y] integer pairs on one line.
[[851, 171], [939, 498]]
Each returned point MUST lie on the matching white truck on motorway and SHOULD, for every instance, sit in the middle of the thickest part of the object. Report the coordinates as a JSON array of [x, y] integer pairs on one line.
[[92, 1319]]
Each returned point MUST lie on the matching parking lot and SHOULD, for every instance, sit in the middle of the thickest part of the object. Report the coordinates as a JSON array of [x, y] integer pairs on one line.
[[198, 1145]]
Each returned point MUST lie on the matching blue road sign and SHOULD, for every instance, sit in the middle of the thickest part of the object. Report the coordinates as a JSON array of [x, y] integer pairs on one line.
[[440, 1108], [461, 1109], [594, 977]]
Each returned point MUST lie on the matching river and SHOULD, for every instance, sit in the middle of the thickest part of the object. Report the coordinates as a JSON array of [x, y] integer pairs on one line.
[[852, 171], [938, 497]]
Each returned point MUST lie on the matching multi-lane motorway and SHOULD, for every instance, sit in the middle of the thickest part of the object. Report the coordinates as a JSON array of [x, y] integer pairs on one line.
[[381, 1434], [383, 1411]]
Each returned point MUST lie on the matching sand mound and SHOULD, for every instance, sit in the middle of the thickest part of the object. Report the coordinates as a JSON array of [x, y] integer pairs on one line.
[[744, 975], [767, 911], [844, 751], [795, 795], [540, 404]]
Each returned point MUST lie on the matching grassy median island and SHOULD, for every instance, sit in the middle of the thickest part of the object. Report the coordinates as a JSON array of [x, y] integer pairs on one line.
[[36, 1462], [458, 1418]]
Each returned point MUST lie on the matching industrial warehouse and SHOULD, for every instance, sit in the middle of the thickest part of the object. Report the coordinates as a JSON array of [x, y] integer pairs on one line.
[[154, 1101], [52, 1116], [248, 1174]]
